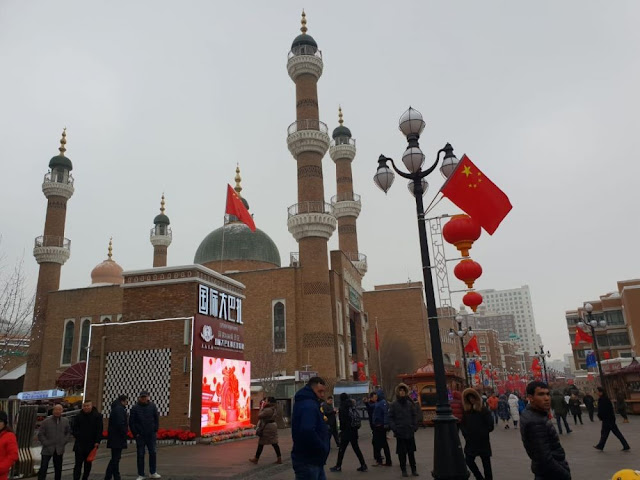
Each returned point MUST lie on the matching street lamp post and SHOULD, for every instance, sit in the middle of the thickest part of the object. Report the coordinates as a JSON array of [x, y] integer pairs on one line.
[[543, 357], [592, 323], [448, 457], [461, 332]]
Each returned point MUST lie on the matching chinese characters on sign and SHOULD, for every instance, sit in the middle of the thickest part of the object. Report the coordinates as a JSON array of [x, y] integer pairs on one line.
[[213, 336], [217, 304]]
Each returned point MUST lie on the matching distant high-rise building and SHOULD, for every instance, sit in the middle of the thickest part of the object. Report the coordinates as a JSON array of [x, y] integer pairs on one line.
[[503, 323], [515, 301]]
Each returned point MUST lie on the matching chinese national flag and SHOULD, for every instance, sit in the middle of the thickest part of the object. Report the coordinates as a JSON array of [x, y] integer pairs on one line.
[[476, 195], [377, 339], [237, 208], [472, 345], [582, 337]]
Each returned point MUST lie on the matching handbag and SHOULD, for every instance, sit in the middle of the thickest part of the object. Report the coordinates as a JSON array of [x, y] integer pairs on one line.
[[92, 455]]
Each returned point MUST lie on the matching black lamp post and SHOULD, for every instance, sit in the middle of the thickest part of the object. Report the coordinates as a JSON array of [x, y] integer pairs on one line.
[[461, 332], [592, 323], [543, 357], [448, 458]]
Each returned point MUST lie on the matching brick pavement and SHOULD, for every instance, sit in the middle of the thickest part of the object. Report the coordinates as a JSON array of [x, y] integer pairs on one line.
[[509, 458]]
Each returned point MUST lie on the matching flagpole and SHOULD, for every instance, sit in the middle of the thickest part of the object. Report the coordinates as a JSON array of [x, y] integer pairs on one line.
[[379, 360], [222, 249]]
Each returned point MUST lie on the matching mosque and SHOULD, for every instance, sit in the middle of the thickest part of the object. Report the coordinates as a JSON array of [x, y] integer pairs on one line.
[[163, 328]]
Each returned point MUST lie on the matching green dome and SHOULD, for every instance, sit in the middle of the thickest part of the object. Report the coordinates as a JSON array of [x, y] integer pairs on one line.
[[240, 243], [341, 131], [303, 39], [161, 219], [60, 161]]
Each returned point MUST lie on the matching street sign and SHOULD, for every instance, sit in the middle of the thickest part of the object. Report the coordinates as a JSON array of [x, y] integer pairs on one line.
[[41, 395], [305, 376]]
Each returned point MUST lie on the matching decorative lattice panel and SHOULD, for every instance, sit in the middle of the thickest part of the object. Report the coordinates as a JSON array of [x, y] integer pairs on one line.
[[131, 372]]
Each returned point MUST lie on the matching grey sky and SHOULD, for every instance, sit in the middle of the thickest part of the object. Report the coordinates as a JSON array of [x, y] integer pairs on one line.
[[166, 96]]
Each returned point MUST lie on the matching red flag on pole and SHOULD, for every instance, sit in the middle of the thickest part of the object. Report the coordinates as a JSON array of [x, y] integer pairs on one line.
[[472, 346], [237, 208], [582, 336], [476, 195], [377, 339]]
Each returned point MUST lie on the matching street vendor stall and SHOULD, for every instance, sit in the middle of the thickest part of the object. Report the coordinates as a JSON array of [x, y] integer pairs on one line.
[[626, 380]]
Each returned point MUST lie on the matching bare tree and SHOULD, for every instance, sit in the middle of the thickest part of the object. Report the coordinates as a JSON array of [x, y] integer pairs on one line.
[[267, 366], [16, 313], [396, 359]]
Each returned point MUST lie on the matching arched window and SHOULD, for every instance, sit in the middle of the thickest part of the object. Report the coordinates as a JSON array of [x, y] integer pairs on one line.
[[67, 342], [84, 340], [279, 327]]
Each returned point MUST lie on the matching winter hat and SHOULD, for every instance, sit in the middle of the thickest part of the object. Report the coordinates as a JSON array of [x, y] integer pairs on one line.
[[4, 418], [143, 393]]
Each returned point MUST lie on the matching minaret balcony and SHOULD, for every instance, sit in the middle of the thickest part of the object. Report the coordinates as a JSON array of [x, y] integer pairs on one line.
[[56, 184], [161, 238], [311, 219], [346, 205], [343, 148], [304, 59], [52, 249], [359, 261], [309, 135]]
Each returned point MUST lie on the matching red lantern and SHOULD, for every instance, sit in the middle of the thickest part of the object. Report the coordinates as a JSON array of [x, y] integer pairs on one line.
[[472, 300], [360, 365], [457, 364], [468, 271], [606, 355], [461, 231]]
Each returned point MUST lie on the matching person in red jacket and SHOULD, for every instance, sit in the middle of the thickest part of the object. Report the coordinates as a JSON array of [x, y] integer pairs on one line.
[[8, 446], [456, 405]]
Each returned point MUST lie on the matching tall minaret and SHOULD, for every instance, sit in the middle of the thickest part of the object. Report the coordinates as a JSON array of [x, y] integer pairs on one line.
[[160, 237], [51, 251], [346, 204], [311, 220]]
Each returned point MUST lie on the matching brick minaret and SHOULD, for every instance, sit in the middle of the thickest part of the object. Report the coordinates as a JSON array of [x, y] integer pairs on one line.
[[311, 220], [346, 204], [51, 251], [160, 237]]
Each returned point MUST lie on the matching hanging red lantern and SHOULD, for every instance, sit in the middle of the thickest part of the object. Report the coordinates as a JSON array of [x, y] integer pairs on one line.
[[468, 271], [461, 231], [472, 300], [606, 355], [360, 364], [457, 364]]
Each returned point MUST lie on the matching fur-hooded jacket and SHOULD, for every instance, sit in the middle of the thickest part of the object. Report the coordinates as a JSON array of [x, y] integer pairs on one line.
[[403, 415]]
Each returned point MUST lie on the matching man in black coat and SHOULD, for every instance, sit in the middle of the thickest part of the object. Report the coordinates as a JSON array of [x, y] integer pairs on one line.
[[117, 436], [608, 417], [144, 422], [588, 402], [403, 421], [348, 433], [329, 412], [540, 438], [87, 430]]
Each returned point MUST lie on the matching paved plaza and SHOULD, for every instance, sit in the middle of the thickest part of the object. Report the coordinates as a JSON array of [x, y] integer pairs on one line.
[[509, 458]]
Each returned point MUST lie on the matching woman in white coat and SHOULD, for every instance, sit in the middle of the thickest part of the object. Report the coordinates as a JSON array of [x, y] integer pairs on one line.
[[513, 409]]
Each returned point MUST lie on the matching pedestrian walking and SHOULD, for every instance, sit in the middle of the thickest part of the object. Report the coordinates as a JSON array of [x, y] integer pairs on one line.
[[349, 425], [54, 434], [8, 446], [608, 417], [267, 430], [117, 436], [329, 412], [370, 405], [476, 424], [589, 404], [492, 403], [144, 422], [540, 439], [514, 409], [621, 406], [575, 409], [309, 431], [503, 410], [403, 421], [456, 404], [380, 428], [560, 409], [87, 430]]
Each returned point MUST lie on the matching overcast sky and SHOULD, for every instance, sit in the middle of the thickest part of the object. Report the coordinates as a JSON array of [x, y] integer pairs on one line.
[[169, 96]]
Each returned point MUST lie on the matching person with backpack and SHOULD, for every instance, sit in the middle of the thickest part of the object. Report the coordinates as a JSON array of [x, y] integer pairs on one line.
[[403, 420], [350, 422]]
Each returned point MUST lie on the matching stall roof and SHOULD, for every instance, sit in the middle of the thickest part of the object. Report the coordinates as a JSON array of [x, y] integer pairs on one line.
[[16, 373]]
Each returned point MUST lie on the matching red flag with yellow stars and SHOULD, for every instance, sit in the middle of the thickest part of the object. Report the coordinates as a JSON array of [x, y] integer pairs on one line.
[[476, 195], [237, 208]]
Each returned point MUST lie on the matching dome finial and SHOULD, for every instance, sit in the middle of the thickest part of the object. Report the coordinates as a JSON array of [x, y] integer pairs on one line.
[[303, 29], [340, 121], [63, 142], [110, 254], [238, 179], [162, 204]]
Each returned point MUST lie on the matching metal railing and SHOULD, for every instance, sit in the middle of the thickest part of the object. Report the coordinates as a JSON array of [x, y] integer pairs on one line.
[[343, 141], [345, 197], [55, 177], [356, 257], [167, 233], [309, 124], [52, 241], [305, 50], [294, 259], [310, 207]]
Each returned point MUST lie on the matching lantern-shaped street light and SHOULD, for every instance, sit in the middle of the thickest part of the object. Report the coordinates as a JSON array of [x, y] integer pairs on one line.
[[448, 456], [542, 356], [460, 333], [592, 323]]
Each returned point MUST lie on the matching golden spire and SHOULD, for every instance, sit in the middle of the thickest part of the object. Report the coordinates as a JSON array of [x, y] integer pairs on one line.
[[303, 29], [63, 142], [238, 179], [162, 204], [340, 121], [110, 254]]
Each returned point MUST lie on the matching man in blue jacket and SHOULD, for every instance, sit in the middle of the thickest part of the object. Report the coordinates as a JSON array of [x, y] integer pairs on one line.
[[144, 422], [311, 441], [380, 424]]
